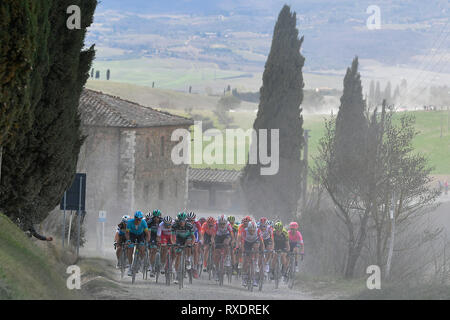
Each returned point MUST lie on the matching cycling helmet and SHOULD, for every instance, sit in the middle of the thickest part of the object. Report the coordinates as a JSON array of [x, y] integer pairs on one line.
[[138, 215], [270, 223], [293, 225], [263, 221], [211, 220], [222, 219], [125, 218], [156, 213], [252, 226], [278, 226], [191, 216], [167, 220], [231, 219], [148, 216], [181, 216]]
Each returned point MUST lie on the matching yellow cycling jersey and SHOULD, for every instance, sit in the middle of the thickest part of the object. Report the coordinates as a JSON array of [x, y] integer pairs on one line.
[[283, 236]]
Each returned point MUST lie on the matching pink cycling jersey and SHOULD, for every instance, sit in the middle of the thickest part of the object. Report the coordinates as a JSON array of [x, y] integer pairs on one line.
[[295, 237]]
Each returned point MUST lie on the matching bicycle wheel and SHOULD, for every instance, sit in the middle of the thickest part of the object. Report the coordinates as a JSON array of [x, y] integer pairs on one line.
[[261, 274], [200, 264], [123, 257], [168, 267], [277, 271], [134, 267], [181, 270], [221, 270], [251, 274], [209, 267], [291, 272], [145, 265], [157, 268]]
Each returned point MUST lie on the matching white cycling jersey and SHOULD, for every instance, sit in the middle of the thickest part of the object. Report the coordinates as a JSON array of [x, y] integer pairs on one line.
[[163, 230]]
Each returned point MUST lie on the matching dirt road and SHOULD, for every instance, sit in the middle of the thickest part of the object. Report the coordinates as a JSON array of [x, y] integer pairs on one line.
[[113, 287]]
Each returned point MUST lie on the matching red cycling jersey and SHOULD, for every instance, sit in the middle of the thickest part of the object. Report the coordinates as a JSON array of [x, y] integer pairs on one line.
[[209, 230]]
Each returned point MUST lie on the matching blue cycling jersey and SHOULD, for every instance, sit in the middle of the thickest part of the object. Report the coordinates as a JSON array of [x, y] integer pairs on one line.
[[137, 230]]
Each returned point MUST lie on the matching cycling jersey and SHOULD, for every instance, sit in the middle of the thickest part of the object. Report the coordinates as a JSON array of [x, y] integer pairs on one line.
[[267, 233], [137, 230], [240, 228], [121, 228], [182, 233], [196, 229], [235, 228], [247, 237], [164, 232], [209, 230], [280, 239], [282, 236], [295, 237], [226, 229]]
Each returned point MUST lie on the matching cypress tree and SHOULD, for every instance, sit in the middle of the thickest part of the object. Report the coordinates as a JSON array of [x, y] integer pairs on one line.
[[388, 93], [19, 30], [279, 108], [97, 74], [108, 74], [351, 130], [34, 18], [55, 139]]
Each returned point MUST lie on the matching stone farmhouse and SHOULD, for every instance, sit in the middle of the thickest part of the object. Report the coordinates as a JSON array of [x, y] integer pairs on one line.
[[127, 158]]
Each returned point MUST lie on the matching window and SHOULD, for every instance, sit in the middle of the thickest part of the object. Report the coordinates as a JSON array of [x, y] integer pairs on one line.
[[161, 190], [162, 146]]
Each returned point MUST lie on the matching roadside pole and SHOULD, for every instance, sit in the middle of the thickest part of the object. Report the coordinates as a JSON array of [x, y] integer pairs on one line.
[[79, 217], [64, 219], [70, 228], [391, 245], [102, 220]]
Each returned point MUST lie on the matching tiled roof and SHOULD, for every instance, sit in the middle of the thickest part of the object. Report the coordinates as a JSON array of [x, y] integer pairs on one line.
[[100, 109], [214, 175]]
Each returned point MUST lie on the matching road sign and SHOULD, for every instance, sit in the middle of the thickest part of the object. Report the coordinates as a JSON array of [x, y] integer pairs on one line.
[[76, 194], [102, 216]]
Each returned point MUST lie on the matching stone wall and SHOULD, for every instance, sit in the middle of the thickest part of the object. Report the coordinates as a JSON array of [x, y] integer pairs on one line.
[[159, 183]]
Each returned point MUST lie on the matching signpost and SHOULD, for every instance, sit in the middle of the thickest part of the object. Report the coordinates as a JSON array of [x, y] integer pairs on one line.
[[74, 199], [102, 220]]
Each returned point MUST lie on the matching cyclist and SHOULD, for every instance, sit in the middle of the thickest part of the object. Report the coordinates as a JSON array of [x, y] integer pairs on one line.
[[136, 232], [251, 238], [198, 239], [208, 234], [235, 227], [281, 242], [119, 237], [153, 220], [267, 235], [296, 241], [224, 237], [163, 237], [182, 234], [202, 220], [241, 227]]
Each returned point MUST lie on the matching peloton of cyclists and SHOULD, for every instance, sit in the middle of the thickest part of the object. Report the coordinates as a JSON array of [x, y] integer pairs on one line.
[[210, 234]]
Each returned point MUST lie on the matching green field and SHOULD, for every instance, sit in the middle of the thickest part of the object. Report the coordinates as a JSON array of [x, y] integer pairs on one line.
[[427, 142], [428, 124]]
